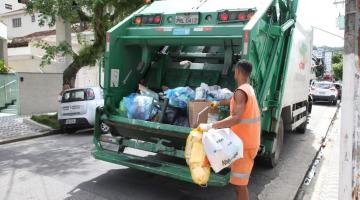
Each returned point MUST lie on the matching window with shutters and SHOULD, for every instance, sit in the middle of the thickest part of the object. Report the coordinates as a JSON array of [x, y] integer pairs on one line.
[[8, 6], [33, 18], [16, 22]]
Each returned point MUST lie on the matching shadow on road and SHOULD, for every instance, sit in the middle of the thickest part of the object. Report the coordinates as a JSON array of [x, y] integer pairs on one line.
[[324, 103], [138, 185]]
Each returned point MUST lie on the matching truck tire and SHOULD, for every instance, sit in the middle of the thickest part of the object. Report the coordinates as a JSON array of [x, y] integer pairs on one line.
[[309, 106], [334, 102], [277, 147]]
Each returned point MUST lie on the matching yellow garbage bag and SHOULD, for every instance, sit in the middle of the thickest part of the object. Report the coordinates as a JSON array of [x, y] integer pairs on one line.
[[196, 158]]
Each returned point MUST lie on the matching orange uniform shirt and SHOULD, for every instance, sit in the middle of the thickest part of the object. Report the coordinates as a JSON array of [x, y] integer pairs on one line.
[[248, 129]]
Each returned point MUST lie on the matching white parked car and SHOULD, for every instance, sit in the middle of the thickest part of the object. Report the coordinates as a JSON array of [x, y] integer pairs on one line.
[[78, 107], [324, 91]]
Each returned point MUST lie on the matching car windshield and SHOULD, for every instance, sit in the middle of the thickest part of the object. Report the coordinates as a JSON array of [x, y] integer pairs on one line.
[[73, 95], [323, 85]]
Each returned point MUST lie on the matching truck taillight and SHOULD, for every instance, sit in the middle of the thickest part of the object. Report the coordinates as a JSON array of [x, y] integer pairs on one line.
[[235, 16], [157, 19], [147, 19], [242, 16], [137, 20], [224, 16]]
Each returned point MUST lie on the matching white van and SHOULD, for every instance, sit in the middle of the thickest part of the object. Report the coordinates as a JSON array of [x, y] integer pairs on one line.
[[77, 108]]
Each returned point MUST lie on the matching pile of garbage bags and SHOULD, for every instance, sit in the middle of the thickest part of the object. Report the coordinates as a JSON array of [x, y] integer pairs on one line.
[[147, 104], [180, 96], [139, 106], [212, 93], [216, 149], [196, 159]]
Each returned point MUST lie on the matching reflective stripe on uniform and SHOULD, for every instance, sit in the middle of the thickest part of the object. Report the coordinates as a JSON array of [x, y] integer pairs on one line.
[[250, 121], [240, 175]]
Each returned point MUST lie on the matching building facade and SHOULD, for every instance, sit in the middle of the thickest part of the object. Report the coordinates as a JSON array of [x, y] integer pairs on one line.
[[10, 5], [20, 23]]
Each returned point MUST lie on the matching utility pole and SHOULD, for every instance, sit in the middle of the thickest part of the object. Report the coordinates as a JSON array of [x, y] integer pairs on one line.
[[350, 123]]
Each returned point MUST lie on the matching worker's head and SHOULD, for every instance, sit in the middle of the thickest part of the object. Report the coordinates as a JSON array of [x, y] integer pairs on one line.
[[243, 69]]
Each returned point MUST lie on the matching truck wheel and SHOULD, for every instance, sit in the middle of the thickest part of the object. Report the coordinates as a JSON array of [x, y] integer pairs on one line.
[[277, 146], [334, 102], [310, 107]]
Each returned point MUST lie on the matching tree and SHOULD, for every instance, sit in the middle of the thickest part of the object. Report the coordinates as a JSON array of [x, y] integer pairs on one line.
[[337, 65], [101, 15], [337, 58], [338, 71], [3, 68]]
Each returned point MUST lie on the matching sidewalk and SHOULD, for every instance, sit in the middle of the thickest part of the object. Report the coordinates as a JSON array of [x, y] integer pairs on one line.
[[14, 128], [326, 183]]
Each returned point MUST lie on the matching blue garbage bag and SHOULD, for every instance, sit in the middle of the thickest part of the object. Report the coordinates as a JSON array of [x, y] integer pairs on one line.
[[139, 106], [180, 96]]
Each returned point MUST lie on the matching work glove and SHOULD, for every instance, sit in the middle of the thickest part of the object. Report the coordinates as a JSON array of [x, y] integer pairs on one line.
[[204, 127], [215, 104]]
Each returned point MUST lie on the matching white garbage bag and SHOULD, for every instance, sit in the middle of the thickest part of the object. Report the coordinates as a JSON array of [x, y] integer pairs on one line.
[[222, 147]]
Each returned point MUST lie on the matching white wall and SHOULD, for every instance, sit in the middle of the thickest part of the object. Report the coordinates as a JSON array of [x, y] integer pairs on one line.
[[38, 92], [3, 42], [14, 3], [28, 59], [27, 26], [88, 76]]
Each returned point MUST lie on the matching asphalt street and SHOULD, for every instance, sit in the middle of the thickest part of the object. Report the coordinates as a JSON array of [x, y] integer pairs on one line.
[[61, 167]]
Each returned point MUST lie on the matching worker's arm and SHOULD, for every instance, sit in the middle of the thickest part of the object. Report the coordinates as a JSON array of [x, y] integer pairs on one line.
[[240, 101]]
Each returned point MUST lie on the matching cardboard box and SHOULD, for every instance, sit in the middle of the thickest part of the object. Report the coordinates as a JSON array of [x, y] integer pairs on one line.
[[196, 116]]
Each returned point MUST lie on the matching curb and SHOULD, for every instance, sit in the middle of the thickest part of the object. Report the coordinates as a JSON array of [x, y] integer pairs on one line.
[[18, 139], [34, 123]]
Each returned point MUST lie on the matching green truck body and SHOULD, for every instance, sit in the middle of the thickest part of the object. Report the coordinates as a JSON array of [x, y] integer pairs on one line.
[[149, 44]]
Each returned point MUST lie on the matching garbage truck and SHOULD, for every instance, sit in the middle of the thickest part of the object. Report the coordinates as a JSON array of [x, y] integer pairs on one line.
[[149, 47]]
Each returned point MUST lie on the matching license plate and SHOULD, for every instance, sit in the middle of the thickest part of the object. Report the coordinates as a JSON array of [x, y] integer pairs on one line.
[[70, 121], [187, 19], [322, 93]]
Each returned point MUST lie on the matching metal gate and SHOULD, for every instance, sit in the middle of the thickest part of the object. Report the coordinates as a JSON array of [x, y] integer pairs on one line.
[[9, 93]]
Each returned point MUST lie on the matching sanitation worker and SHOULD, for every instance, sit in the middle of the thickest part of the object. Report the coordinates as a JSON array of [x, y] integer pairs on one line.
[[244, 121]]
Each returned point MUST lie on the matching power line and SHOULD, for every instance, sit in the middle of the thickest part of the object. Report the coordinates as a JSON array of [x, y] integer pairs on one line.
[[328, 32]]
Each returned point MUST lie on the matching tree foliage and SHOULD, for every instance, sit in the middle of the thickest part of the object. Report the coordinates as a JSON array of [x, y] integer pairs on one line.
[[101, 15], [337, 58], [3, 68], [337, 65]]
